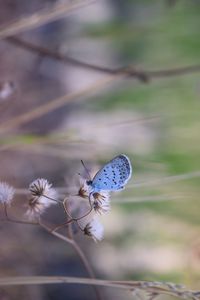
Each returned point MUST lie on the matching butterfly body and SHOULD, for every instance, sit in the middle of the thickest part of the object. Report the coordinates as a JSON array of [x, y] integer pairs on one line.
[[113, 176]]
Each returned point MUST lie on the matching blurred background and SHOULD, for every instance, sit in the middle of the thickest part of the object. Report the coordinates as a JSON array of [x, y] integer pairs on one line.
[[152, 231]]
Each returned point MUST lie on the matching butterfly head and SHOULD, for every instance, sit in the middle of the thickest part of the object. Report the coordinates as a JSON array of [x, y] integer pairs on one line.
[[89, 182]]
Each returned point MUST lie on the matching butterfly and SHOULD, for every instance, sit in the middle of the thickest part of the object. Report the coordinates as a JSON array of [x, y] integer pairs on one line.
[[113, 176]]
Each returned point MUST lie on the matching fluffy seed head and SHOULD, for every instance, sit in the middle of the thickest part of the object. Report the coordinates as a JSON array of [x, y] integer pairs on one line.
[[94, 229], [40, 187], [6, 193], [101, 202], [42, 196]]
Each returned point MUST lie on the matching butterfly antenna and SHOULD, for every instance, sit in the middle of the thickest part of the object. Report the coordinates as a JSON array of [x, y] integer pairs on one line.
[[86, 170]]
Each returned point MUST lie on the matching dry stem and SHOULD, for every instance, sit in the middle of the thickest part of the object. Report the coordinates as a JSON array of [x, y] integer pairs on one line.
[[42, 17], [157, 288]]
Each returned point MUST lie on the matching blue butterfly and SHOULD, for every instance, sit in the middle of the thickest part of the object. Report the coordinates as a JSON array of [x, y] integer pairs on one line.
[[113, 176]]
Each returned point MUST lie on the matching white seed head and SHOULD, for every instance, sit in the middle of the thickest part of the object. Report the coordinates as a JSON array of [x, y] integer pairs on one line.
[[6, 193], [40, 187], [101, 202], [42, 196], [94, 229]]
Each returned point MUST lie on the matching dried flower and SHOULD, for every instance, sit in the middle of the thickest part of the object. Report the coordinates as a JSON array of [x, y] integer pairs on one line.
[[40, 187], [101, 202], [94, 229], [6, 193], [151, 289], [42, 196], [85, 189]]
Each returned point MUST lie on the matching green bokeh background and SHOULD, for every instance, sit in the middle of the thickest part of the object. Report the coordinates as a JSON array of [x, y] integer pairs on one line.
[[161, 36]]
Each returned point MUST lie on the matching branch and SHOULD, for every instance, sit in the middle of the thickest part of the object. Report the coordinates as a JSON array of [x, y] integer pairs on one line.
[[166, 180], [75, 246], [80, 253], [42, 17], [165, 288], [141, 75], [113, 75]]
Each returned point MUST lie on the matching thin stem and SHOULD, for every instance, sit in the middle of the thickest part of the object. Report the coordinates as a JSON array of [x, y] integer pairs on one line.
[[67, 214], [58, 235], [87, 266], [148, 286], [9, 219], [5, 210], [69, 240], [71, 218], [61, 225], [83, 258], [55, 200], [21, 222], [69, 231], [69, 227], [86, 214], [66, 209], [21, 280], [78, 250]]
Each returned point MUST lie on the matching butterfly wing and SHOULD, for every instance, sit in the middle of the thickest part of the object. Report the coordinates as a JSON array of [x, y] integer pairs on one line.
[[114, 175]]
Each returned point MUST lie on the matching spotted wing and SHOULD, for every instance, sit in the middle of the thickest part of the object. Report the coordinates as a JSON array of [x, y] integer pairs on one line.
[[114, 175]]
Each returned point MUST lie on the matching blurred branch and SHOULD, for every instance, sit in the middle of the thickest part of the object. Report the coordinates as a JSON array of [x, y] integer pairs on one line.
[[166, 180], [55, 104], [42, 17], [159, 181], [157, 198], [112, 75], [129, 72], [160, 288], [141, 75]]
